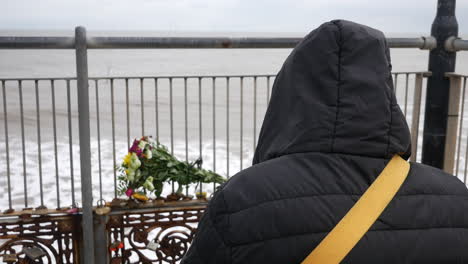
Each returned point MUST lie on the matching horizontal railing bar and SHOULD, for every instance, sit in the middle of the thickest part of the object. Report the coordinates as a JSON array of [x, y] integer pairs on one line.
[[142, 77], [455, 44], [425, 73], [39, 79], [168, 206], [11, 42], [182, 76], [426, 43], [189, 43], [453, 74], [29, 215]]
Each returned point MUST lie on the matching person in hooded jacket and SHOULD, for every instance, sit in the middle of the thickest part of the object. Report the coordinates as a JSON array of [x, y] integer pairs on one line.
[[331, 126]]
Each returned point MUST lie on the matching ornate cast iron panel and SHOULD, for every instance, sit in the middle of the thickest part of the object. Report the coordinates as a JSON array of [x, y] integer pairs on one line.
[[159, 235], [139, 235], [51, 239]]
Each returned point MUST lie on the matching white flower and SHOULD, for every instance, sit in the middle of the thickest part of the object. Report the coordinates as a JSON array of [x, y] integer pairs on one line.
[[148, 154], [150, 140], [134, 162], [142, 144], [149, 183], [131, 175]]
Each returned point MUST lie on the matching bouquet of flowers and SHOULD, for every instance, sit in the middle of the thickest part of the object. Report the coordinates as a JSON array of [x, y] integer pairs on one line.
[[135, 176], [148, 165]]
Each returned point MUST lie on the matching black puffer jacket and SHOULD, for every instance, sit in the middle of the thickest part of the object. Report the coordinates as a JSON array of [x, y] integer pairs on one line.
[[330, 128]]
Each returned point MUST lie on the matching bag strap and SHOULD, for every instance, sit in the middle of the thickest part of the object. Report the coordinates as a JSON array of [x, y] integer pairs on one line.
[[354, 225]]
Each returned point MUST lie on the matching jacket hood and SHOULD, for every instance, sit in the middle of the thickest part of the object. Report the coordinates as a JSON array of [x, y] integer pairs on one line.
[[334, 94]]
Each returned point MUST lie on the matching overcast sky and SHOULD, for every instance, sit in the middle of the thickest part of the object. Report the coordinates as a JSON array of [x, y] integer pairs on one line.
[[395, 16]]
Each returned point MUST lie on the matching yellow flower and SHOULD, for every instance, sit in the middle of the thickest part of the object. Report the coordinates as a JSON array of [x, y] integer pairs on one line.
[[140, 197], [127, 158]]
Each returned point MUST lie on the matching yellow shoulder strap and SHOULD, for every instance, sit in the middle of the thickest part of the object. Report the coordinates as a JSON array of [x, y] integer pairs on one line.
[[354, 225]]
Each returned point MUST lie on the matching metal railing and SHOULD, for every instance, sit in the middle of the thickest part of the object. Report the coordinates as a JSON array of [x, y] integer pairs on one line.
[[215, 117], [425, 43], [455, 160], [455, 44]]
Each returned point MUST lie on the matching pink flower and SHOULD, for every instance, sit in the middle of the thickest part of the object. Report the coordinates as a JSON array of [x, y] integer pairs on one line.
[[135, 148], [129, 192], [73, 210]]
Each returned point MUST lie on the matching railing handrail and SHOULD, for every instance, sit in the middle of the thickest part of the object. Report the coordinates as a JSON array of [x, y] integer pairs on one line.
[[188, 76], [455, 44], [13, 42]]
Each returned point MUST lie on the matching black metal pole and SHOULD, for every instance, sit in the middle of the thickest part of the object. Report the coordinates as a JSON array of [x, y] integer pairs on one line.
[[440, 61]]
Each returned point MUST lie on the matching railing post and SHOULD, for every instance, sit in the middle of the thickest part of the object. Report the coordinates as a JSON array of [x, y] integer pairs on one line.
[[452, 122], [440, 61], [418, 83], [85, 150], [100, 237]]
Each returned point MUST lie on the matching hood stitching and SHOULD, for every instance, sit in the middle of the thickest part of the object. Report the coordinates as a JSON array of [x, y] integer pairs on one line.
[[340, 43], [389, 128], [390, 97], [391, 119]]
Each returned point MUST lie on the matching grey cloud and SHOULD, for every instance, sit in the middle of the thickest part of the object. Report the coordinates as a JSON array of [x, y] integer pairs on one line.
[[218, 15]]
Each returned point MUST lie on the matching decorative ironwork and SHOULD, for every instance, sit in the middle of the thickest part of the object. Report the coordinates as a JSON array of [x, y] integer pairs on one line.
[[39, 239], [143, 234], [161, 235]]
